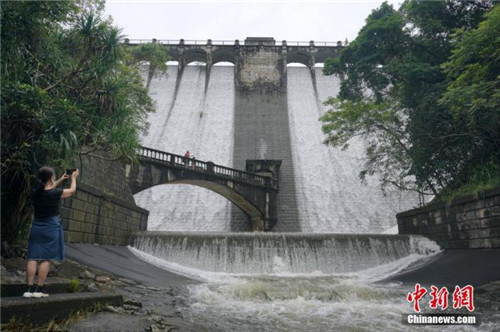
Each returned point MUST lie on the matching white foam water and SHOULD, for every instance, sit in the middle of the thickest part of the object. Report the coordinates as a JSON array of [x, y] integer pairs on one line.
[[263, 253], [330, 195], [195, 121], [315, 301]]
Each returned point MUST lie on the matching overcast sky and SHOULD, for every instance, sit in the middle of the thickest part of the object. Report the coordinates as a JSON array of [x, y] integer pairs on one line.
[[230, 20]]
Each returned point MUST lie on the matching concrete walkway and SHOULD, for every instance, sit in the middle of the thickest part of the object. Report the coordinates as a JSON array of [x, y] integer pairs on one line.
[[456, 267], [121, 262]]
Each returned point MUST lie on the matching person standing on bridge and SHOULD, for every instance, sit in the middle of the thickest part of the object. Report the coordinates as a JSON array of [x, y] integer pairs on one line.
[[46, 240], [186, 160]]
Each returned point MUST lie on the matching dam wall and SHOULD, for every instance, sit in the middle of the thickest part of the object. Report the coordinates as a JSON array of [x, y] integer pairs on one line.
[[263, 102]]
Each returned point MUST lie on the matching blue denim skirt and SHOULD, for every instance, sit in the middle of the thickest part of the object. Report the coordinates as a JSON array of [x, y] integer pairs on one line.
[[46, 241]]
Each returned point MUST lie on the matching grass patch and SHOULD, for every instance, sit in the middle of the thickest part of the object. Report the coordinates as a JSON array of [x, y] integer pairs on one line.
[[470, 189], [74, 286], [480, 178]]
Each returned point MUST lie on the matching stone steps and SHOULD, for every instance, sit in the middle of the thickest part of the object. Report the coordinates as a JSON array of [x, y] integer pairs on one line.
[[18, 289], [56, 306]]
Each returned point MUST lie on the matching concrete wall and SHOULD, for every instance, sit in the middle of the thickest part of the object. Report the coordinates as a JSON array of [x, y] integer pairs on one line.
[[259, 68], [468, 222], [261, 131]]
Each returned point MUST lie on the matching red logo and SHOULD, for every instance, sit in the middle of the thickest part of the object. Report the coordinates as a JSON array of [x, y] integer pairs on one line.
[[462, 297], [439, 298], [416, 296]]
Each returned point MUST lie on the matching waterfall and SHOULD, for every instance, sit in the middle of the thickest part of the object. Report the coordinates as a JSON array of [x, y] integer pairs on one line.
[[330, 196], [320, 189], [258, 253], [201, 123]]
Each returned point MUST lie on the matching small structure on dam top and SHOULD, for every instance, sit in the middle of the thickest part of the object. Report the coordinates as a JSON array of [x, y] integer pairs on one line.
[[259, 63], [254, 191]]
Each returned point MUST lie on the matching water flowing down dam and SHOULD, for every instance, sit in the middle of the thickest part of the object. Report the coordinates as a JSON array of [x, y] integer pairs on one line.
[[265, 253], [190, 118], [320, 188]]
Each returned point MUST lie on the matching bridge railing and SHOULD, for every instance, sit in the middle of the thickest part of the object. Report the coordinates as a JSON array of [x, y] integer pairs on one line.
[[178, 41], [205, 167], [188, 42]]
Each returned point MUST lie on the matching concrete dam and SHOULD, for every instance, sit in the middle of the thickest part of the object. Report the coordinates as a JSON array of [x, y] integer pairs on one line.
[[259, 100]]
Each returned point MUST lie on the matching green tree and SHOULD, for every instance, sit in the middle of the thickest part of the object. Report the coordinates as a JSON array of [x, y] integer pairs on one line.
[[473, 97], [156, 55], [66, 89], [393, 82]]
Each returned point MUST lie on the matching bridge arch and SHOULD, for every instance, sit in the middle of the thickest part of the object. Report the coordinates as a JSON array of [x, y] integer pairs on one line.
[[322, 54], [194, 54], [234, 197], [299, 57], [223, 54], [255, 195]]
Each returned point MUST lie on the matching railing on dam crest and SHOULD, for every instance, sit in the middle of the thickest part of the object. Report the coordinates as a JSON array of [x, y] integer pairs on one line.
[[192, 164], [188, 42]]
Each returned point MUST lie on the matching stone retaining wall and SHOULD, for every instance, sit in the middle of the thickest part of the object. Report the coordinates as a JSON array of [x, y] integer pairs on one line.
[[467, 222], [109, 176], [93, 216]]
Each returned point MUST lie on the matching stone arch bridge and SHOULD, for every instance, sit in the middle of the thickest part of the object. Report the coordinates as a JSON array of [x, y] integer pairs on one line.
[[258, 61], [254, 191]]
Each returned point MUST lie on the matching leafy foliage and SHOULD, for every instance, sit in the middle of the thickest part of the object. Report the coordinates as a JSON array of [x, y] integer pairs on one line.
[[401, 93], [66, 89], [155, 54], [473, 97]]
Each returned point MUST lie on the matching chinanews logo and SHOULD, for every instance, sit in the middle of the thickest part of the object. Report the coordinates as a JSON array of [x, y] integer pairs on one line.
[[462, 297]]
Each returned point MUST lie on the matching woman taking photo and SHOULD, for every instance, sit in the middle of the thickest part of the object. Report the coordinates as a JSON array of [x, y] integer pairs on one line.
[[46, 241]]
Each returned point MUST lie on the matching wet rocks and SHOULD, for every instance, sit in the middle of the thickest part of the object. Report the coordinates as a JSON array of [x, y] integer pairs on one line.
[[133, 303], [68, 269], [116, 310], [92, 287], [127, 281], [103, 279], [86, 274], [154, 328]]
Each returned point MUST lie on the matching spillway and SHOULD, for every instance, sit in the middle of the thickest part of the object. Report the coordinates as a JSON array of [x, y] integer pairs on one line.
[[330, 195], [263, 253], [320, 188], [187, 118]]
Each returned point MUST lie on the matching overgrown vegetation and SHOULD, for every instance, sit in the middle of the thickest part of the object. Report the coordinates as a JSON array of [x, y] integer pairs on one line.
[[67, 88], [74, 286], [152, 53], [423, 88]]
